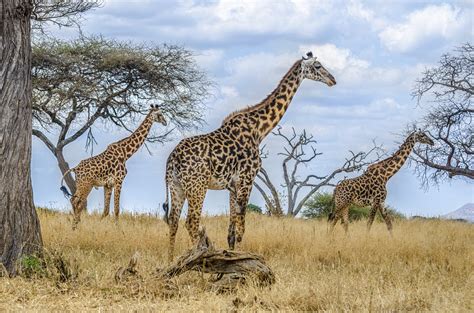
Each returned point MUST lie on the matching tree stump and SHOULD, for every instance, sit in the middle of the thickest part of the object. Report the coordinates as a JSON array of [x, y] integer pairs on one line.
[[232, 267]]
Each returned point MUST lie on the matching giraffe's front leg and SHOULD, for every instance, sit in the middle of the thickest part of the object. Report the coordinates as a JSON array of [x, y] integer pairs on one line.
[[117, 190], [231, 234], [242, 199], [107, 194]]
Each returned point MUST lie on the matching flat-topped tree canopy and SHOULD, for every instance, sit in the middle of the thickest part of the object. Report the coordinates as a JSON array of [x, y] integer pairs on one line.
[[79, 83]]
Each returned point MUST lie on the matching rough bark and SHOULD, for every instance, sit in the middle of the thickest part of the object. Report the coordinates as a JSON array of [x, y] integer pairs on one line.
[[19, 225], [64, 167]]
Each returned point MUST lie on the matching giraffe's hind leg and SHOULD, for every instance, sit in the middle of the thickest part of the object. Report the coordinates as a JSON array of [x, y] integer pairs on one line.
[[387, 219], [345, 219], [107, 195], [195, 201], [333, 219], [177, 202], [370, 219]]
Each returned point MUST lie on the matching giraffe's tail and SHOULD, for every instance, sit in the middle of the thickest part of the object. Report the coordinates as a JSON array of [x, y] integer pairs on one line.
[[166, 207], [63, 188]]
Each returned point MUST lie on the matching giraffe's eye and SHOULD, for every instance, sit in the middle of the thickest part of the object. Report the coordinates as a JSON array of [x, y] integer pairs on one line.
[[317, 66]]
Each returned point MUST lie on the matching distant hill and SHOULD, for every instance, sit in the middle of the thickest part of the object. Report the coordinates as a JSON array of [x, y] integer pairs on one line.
[[466, 212]]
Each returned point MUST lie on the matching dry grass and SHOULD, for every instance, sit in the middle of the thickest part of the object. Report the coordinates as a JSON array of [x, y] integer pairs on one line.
[[427, 266]]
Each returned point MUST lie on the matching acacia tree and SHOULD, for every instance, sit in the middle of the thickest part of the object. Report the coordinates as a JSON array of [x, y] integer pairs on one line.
[[449, 121], [297, 189], [20, 232], [89, 81]]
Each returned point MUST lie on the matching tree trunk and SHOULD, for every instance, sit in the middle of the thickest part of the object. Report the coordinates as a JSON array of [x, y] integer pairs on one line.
[[64, 167], [20, 232]]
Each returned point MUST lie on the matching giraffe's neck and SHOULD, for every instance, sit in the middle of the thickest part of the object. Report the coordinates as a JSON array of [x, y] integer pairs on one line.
[[133, 142], [266, 115], [398, 158]]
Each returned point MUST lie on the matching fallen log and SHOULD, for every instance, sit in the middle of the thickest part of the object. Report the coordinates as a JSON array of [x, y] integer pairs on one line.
[[232, 267]]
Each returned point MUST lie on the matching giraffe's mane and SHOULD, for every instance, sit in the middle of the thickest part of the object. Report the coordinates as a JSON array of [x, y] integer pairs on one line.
[[251, 108], [390, 157]]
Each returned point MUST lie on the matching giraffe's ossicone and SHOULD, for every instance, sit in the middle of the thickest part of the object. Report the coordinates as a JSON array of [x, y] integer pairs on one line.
[[107, 169], [370, 189], [228, 158]]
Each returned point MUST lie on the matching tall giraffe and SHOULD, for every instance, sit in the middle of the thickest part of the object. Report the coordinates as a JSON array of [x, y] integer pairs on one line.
[[228, 158], [370, 188], [108, 168]]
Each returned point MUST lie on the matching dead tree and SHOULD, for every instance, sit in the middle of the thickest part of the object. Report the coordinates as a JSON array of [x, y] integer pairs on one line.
[[298, 190], [449, 88]]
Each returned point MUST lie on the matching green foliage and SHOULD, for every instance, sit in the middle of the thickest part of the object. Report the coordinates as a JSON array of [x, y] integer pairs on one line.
[[32, 266], [321, 204], [88, 79], [318, 206], [254, 208]]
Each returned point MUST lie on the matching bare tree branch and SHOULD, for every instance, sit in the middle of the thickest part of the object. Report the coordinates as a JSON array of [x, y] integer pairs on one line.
[[448, 88], [299, 189], [61, 13]]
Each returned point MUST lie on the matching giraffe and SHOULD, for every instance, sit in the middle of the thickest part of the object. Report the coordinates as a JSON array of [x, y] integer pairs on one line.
[[229, 158], [370, 188], [108, 168]]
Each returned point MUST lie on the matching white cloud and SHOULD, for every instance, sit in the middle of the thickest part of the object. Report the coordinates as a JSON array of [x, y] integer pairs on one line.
[[375, 110], [432, 22], [209, 59], [225, 17], [356, 9]]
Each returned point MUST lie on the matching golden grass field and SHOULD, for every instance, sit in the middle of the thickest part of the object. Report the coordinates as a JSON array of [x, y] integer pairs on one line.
[[427, 266]]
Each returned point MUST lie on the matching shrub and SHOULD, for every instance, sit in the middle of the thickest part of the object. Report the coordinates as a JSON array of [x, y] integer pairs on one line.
[[254, 208], [321, 204]]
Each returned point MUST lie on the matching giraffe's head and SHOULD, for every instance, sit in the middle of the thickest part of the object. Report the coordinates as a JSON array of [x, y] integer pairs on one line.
[[312, 69], [422, 137], [156, 115]]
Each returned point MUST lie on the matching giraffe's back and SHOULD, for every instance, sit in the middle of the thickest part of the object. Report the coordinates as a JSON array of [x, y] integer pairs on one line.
[[361, 190], [219, 158]]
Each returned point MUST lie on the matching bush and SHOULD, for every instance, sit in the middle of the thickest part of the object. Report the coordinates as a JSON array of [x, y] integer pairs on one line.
[[318, 206], [32, 266], [254, 208], [321, 204]]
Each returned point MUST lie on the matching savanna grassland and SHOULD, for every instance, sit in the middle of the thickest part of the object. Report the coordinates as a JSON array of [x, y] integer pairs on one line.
[[427, 266]]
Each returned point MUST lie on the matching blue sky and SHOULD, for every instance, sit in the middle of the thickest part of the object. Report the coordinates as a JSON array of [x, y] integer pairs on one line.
[[375, 49]]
